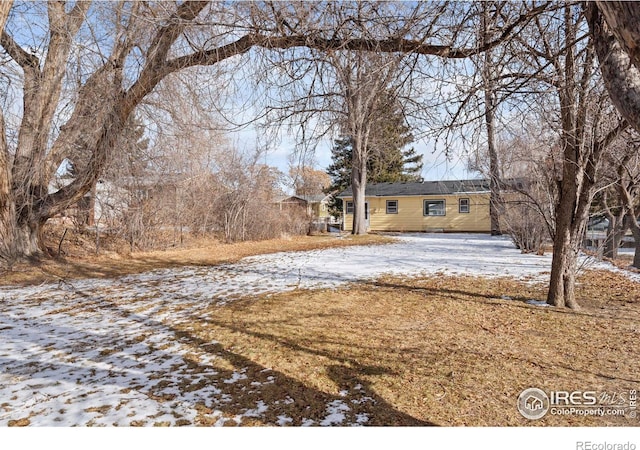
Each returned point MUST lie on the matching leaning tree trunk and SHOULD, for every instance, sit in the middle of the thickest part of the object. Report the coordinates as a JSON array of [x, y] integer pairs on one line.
[[619, 59], [623, 20]]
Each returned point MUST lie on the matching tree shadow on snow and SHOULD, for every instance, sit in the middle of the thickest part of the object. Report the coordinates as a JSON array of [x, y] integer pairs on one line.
[[223, 386]]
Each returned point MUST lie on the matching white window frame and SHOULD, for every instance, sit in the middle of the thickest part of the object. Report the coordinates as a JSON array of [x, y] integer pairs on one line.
[[428, 212], [467, 206], [393, 210], [348, 207]]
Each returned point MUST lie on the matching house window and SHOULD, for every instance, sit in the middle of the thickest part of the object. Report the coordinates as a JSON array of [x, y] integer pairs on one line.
[[463, 205], [392, 206], [349, 208], [434, 207]]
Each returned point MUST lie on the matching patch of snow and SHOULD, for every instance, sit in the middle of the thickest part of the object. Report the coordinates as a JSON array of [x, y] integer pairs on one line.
[[359, 401], [284, 420], [335, 413], [593, 263], [259, 410], [537, 303], [235, 377]]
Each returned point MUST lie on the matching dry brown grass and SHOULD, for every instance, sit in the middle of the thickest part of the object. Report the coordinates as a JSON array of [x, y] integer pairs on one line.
[[428, 351], [197, 252], [439, 350]]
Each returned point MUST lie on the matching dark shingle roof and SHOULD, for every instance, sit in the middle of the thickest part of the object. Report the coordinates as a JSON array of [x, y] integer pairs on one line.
[[421, 188]]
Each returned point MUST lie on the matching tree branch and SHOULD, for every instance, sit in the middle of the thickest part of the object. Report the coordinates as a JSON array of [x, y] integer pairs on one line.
[[24, 59]]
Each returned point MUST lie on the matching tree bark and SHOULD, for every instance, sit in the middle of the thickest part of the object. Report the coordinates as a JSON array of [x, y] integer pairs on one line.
[[635, 230], [623, 19], [358, 186], [615, 233], [490, 104], [620, 69], [565, 250], [7, 204]]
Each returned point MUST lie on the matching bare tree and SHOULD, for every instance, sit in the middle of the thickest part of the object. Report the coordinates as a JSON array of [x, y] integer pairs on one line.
[[528, 184], [308, 181], [7, 207], [585, 133], [488, 71], [552, 68], [620, 197], [363, 79]]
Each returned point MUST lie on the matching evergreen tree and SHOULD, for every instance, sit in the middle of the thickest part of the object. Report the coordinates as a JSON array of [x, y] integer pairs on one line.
[[388, 162], [340, 168]]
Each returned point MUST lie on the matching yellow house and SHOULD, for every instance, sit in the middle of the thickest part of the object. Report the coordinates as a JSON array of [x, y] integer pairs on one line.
[[447, 206]]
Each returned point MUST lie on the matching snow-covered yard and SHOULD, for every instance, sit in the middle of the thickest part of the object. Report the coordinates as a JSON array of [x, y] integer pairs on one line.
[[107, 352]]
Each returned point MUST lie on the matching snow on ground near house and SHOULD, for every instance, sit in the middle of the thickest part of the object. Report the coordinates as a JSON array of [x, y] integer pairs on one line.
[[107, 352]]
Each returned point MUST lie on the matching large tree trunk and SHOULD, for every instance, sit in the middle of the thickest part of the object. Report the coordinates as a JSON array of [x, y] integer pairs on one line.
[[19, 239], [565, 255], [495, 200], [618, 58], [7, 205], [358, 186], [623, 20]]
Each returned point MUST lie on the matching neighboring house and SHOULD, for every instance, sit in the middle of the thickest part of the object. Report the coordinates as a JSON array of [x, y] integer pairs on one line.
[[105, 206], [292, 202], [316, 206], [101, 209], [448, 206]]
